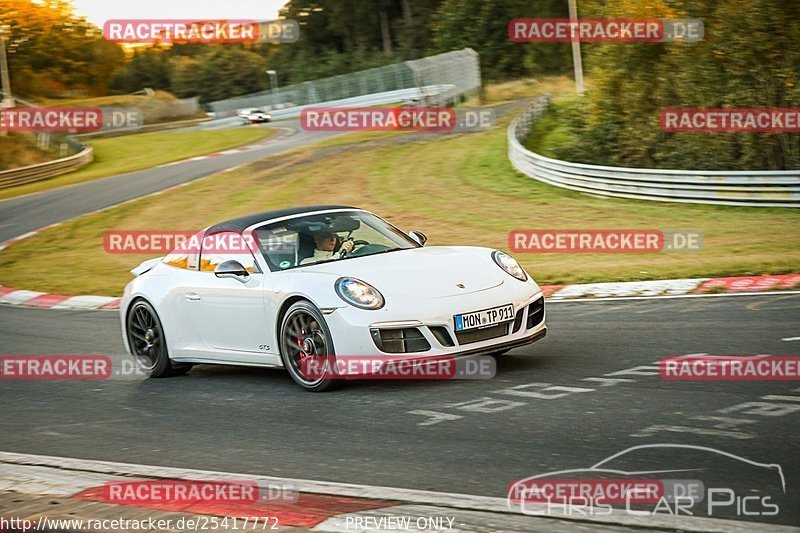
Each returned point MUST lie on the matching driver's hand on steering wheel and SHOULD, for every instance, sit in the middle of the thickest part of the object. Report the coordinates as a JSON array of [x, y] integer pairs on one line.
[[347, 246]]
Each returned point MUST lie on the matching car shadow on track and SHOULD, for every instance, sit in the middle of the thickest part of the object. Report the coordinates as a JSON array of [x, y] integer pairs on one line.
[[242, 378]]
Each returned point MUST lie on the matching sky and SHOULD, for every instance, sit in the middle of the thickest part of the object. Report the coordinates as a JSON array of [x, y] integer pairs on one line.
[[99, 11]]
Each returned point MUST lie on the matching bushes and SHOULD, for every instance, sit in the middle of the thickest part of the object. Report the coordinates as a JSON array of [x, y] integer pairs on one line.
[[748, 59]]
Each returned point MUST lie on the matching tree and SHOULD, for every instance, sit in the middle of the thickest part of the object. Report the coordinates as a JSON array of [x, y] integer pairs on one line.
[[147, 68], [483, 26], [52, 52], [748, 58], [230, 71]]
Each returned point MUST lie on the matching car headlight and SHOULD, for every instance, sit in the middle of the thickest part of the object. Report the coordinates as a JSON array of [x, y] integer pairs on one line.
[[509, 264], [358, 293]]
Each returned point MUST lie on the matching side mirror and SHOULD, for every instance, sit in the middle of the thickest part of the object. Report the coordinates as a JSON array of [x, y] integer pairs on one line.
[[418, 237], [232, 269]]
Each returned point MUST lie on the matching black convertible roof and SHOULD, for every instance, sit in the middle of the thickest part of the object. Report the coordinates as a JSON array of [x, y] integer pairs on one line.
[[239, 224]]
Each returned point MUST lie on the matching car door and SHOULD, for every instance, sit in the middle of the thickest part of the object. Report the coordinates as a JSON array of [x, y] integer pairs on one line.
[[229, 314]]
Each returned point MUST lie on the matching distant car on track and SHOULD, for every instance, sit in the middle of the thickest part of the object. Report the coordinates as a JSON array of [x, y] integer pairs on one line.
[[254, 115], [321, 281]]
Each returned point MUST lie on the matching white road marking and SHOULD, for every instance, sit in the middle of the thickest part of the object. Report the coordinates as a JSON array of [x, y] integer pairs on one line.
[[780, 398], [560, 391], [434, 417], [659, 428], [486, 405], [791, 339]]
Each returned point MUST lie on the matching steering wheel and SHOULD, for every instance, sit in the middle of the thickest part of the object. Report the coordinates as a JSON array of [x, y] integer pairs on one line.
[[355, 243]]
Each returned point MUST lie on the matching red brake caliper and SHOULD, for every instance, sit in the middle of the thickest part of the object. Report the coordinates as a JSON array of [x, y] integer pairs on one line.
[[300, 344]]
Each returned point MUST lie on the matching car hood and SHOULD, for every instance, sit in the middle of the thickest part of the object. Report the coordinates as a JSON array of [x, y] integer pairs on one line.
[[433, 272]]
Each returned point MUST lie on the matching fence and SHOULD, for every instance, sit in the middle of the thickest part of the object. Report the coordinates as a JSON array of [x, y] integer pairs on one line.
[[438, 80], [743, 188]]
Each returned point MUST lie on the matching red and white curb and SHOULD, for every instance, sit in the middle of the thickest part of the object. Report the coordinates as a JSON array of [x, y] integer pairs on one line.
[[329, 506], [215, 154], [673, 287], [44, 300], [626, 289]]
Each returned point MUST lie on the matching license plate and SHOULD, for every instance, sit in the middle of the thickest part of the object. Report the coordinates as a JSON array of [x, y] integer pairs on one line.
[[482, 319]]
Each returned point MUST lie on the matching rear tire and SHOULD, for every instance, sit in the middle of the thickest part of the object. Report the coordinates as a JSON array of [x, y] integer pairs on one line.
[[304, 333], [148, 343]]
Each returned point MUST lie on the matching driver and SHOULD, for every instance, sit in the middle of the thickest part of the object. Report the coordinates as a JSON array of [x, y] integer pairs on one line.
[[324, 246]]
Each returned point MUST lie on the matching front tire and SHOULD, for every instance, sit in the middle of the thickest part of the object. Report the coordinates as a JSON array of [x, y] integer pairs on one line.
[[148, 343], [304, 334]]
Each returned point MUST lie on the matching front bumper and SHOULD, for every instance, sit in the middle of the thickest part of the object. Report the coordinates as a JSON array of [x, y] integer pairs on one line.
[[353, 330], [421, 366]]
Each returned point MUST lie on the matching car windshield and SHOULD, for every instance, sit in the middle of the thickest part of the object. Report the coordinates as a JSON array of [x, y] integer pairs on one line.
[[326, 237]]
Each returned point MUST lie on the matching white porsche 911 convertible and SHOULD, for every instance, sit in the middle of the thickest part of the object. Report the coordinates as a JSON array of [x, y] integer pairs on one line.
[[328, 281]]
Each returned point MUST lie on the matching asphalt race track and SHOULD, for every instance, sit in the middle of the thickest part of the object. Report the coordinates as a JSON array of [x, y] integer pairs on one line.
[[31, 212], [585, 392]]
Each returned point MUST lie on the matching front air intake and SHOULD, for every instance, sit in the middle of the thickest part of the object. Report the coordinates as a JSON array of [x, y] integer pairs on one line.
[[518, 320], [399, 340], [442, 335], [535, 313]]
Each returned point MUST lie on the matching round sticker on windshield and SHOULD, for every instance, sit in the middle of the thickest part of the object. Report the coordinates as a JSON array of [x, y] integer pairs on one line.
[[285, 264]]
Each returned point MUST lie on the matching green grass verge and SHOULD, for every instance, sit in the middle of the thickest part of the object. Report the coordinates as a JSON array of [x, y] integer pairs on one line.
[[128, 153], [459, 190]]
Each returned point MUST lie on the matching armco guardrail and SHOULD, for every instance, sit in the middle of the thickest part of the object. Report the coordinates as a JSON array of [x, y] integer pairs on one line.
[[49, 169], [744, 188]]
